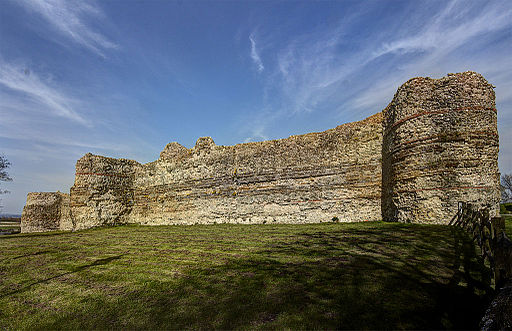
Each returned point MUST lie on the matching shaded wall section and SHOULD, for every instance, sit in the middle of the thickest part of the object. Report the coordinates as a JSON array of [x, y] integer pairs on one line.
[[46, 211]]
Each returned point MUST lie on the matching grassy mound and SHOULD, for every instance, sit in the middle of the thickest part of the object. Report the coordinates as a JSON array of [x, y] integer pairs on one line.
[[321, 276]]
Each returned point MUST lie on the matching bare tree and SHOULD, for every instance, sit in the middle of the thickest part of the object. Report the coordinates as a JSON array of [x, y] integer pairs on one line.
[[506, 188], [4, 176]]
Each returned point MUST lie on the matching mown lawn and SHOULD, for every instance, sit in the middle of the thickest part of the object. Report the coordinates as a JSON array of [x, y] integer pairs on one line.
[[322, 276]]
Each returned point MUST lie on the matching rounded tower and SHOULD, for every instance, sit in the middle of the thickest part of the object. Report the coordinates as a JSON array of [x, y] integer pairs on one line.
[[440, 146]]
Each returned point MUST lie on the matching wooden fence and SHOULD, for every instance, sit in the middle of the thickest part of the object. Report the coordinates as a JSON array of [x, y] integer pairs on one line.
[[489, 233]]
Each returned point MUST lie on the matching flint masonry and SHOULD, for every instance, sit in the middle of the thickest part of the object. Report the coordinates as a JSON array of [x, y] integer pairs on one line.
[[434, 145]]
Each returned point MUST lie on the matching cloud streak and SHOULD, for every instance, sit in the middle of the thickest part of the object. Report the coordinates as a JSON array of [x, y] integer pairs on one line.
[[331, 68], [254, 54], [31, 88], [70, 19], [448, 31], [444, 45]]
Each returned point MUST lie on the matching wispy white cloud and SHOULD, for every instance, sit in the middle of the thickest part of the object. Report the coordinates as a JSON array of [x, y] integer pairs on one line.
[[256, 134], [35, 137], [347, 76], [30, 88], [255, 55], [444, 45], [37, 111], [310, 69], [70, 18], [452, 27], [331, 68]]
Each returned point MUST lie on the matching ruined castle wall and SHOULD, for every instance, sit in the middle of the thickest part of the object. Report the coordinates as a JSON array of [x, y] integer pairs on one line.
[[434, 145], [306, 178], [440, 146], [103, 191], [46, 211]]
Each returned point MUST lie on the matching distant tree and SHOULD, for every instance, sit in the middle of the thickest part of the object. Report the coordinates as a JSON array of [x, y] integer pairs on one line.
[[506, 188], [4, 176]]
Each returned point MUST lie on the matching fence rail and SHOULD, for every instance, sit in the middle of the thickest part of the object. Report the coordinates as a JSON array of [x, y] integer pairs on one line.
[[489, 233]]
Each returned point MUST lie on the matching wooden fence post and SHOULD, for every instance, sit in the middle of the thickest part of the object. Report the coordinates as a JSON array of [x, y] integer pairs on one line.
[[498, 225], [490, 235], [502, 253]]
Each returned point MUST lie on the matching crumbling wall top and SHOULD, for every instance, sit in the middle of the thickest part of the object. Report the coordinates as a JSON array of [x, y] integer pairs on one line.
[[174, 151], [204, 144], [455, 92]]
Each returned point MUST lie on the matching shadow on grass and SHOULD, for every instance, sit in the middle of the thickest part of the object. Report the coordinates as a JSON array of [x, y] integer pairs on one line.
[[32, 254], [55, 233], [46, 280], [354, 279], [38, 234]]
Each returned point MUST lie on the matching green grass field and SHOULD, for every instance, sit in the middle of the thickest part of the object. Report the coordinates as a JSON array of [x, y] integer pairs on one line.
[[508, 226], [316, 276], [9, 223]]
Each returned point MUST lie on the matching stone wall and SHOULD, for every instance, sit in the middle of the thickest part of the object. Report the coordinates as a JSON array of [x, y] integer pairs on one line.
[[103, 191], [434, 145], [440, 146], [46, 211], [308, 178]]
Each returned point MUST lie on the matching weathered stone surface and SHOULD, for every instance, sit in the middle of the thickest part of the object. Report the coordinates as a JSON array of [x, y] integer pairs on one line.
[[306, 178], [434, 145], [440, 146], [103, 191], [174, 151], [46, 211]]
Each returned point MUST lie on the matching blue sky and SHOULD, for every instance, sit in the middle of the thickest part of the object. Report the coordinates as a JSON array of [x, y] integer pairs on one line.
[[124, 78]]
